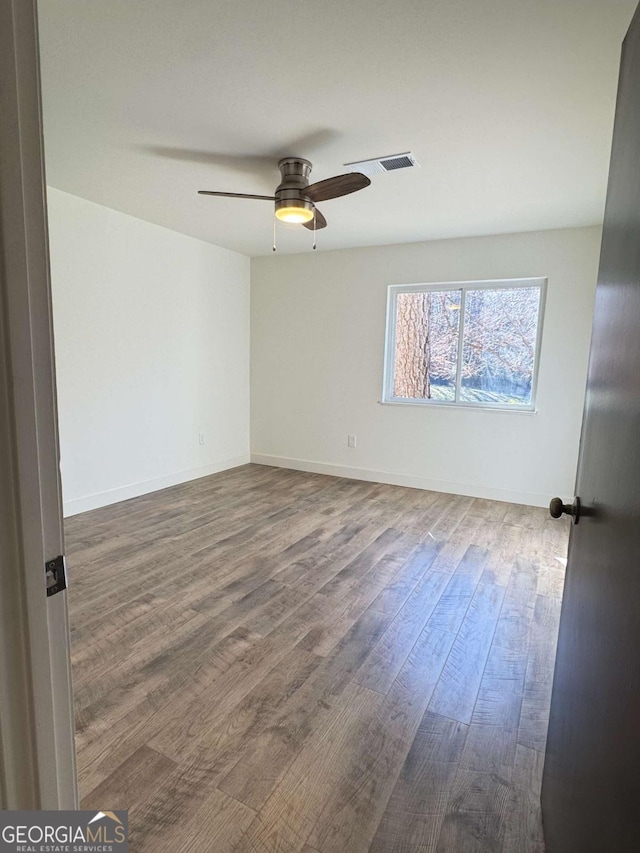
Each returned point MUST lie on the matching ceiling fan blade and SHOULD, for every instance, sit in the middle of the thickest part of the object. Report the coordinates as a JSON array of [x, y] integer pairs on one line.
[[306, 144], [321, 222], [246, 164], [335, 187], [237, 195]]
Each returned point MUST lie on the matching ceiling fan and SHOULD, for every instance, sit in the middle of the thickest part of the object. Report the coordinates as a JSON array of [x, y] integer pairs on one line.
[[295, 199]]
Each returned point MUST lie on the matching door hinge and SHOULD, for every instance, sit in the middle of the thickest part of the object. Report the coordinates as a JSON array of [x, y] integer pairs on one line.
[[56, 575]]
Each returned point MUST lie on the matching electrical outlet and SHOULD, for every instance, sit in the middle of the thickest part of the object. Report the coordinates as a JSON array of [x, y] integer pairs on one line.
[[351, 441], [200, 438]]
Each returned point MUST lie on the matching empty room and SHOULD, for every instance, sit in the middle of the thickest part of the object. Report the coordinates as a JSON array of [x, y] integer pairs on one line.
[[333, 362]]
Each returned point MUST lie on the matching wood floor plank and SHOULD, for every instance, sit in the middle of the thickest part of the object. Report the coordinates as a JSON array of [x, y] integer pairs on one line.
[[390, 541], [255, 776], [220, 744], [477, 810], [451, 609], [394, 647], [360, 795], [129, 784], [105, 683], [490, 749], [286, 820], [451, 554], [456, 693], [499, 698], [176, 800], [544, 633], [219, 821], [445, 526], [514, 625], [439, 739], [353, 551], [208, 706], [510, 542], [488, 510], [536, 696], [286, 661], [352, 601], [531, 517], [171, 669], [470, 530], [396, 593], [523, 821], [415, 812], [123, 617], [534, 716]]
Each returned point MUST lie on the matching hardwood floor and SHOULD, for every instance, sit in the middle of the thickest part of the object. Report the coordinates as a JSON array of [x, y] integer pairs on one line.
[[268, 660]]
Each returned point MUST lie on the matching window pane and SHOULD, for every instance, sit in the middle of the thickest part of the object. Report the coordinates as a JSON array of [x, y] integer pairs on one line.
[[426, 349], [499, 345]]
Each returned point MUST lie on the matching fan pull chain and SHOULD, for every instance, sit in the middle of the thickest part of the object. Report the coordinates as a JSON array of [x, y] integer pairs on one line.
[[274, 234], [315, 219]]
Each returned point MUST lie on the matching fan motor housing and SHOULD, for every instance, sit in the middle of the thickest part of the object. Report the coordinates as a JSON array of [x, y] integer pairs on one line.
[[295, 174]]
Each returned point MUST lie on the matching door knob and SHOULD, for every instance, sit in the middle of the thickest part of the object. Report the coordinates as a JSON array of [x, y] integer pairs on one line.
[[557, 508]]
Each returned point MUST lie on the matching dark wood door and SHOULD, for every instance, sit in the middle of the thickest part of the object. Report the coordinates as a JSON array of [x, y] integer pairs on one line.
[[591, 785]]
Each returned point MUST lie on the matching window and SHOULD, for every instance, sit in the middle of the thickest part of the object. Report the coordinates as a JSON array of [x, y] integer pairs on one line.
[[468, 343]]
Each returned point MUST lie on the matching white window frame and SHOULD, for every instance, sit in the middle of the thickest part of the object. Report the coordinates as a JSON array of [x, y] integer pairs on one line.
[[463, 286]]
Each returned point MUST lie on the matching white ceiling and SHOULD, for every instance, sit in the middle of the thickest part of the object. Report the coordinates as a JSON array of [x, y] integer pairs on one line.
[[507, 105]]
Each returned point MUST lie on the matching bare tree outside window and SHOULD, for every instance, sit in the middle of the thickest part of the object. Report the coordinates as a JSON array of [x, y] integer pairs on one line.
[[499, 341], [499, 344], [427, 330]]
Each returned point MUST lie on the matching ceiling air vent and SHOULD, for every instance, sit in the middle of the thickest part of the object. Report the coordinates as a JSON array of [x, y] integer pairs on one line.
[[384, 164]]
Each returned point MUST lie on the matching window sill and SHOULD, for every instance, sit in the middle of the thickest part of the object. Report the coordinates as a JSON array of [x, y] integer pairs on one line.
[[441, 404]]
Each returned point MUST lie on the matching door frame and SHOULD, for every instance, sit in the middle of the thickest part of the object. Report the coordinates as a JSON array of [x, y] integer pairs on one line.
[[37, 754]]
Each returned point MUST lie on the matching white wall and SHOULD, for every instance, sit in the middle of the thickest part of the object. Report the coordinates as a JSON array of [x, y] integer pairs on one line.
[[317, 340], [152, 348]]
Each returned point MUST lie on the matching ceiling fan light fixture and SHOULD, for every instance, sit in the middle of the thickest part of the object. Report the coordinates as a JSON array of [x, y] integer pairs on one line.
[[291, 208], [294, 214]]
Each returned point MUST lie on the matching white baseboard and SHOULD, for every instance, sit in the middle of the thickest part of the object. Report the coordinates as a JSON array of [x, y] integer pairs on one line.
[[494, 493], [134, 490]]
